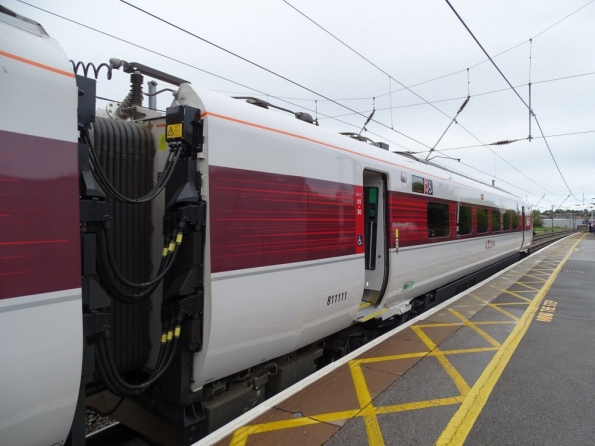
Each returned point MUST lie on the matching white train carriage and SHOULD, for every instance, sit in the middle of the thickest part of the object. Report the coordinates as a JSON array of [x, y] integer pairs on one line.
[[40, 289], [298, 249]]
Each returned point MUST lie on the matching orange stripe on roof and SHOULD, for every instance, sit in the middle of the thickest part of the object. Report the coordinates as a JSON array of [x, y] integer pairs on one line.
[[305, 138], [36, 64], [294, 135]]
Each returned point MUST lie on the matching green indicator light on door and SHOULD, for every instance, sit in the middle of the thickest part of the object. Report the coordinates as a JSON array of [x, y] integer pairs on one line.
[[373, 195]]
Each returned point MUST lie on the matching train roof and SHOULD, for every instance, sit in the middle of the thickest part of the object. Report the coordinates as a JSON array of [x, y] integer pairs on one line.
[[256, 115]]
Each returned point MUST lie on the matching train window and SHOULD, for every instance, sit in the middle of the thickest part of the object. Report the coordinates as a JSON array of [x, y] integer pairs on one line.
[[464, 220], [417, 184], [506, 221], [515, 220], [495, 221], [482, 221], [438, 224]]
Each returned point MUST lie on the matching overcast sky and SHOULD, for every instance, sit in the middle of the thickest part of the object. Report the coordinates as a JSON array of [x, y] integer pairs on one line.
[[412, 41]]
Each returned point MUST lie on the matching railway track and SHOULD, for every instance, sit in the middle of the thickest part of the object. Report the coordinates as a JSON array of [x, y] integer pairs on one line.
[[542, 240]]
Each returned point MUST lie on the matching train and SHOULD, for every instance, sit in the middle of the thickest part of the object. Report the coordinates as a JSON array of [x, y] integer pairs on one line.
[[184, 265]]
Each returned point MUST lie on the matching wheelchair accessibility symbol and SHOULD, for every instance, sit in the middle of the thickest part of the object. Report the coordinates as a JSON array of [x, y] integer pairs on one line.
[[360, 242]]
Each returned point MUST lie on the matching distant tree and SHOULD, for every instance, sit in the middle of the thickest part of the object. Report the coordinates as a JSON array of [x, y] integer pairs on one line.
[[537, 220]]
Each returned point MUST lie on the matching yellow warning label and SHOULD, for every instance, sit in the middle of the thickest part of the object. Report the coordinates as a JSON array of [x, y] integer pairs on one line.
[[174, 131], [162, 142], [396, 233]]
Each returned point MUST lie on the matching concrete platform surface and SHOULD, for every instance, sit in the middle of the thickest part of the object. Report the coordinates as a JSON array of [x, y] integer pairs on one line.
[[509, 362]]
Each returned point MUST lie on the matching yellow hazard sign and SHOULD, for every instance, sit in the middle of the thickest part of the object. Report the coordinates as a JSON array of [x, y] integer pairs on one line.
[[174, 131]]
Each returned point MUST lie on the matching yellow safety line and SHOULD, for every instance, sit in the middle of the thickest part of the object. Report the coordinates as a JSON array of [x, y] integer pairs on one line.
[[475, 328], [452, 372], [510, 303], [364, 305], [463, 420]]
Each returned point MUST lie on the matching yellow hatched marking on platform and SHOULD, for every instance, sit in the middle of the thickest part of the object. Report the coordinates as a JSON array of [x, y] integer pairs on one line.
[[422, 354], [420, 405], [461, 423], [466, 350], [512, 293], [443, 324], [524, 283], [454, 374], [463, 420], [536, 278], [497, 322], [365, 401], [459, 324], [475, 328], [495, 307], [545, 272]]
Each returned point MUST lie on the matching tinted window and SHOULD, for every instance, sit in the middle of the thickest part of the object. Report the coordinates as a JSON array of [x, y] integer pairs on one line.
[[515, 220], [482, 221], [417, 184], [438, 225], [495, 221], [506, 221], [464, 219]]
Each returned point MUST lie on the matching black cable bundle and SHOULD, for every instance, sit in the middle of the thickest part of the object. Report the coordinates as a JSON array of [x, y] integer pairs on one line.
[[108, 371], [115, 282], [107, 186]]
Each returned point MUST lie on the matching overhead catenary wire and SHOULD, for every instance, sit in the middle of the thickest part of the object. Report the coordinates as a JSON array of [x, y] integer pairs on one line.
[[413, 92], [515, 91], [458, 98], [511, 141], [280, 98], [479, 63], [264, 68]]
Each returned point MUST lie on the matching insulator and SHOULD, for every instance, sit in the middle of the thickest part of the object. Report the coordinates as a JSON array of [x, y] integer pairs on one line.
[[134, 98], [136, 89]]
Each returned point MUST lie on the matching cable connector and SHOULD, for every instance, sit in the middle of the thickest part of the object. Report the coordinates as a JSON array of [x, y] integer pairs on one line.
[[95, 211]]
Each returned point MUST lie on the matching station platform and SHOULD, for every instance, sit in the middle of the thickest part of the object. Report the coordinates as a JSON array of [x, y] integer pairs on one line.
[[510, 361]]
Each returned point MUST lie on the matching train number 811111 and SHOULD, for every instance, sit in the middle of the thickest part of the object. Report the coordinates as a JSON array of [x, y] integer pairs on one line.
[[336, 298]]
